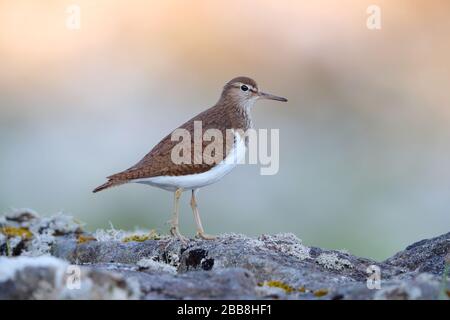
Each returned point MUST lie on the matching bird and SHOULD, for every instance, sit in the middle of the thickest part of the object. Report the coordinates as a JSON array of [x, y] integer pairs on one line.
[[231, 113]]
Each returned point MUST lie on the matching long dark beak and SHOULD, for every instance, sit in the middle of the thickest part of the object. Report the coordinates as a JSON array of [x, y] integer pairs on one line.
[[263, 95]]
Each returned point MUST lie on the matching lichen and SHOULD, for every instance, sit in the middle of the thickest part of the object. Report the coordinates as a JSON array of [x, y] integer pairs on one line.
[[13, 245], [152, 235], [290, 289], [172, 258], [153, 265], [83, 238], [40, 244], [30, 235], [14, 239], [332, 261], [287, 243], [277, 284], [21, 215], [321, 292], [112, 234], [255, 243], [60, 224], [343, 251], [10, 232]]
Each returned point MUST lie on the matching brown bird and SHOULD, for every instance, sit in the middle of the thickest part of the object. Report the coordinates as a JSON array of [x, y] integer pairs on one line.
[[158, 168]]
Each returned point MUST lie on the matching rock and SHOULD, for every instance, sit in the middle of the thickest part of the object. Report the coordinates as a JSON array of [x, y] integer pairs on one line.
[[424, 256], [143, 265], [418, 287], [218, 284], [51, 278]]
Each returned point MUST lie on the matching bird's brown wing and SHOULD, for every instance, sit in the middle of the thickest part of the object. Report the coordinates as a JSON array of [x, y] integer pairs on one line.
[[158, 162]]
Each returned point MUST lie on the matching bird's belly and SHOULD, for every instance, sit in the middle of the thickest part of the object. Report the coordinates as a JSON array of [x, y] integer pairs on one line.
[[198, 180], [191, 181]]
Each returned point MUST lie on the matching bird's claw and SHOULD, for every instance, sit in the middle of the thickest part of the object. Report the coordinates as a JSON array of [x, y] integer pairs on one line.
[[175, 232], [205, 236]]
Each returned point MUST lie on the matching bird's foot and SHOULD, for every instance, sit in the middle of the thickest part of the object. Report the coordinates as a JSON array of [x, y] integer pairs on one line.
[[175, 232], [205, 236]]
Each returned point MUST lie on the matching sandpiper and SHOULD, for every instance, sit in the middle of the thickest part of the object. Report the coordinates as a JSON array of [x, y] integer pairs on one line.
[[157, 168]]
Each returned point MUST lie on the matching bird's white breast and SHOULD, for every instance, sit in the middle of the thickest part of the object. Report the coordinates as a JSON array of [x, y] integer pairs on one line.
[[195, 181]]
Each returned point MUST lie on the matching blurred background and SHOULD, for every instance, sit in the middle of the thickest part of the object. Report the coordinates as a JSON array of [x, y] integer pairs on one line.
[[365, 137]]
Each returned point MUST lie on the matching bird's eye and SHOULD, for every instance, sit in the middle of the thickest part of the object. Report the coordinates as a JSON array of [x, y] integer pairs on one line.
[[244, 87]]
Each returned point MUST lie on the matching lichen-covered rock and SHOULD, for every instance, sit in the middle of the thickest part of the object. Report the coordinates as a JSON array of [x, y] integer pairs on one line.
[[418, 287], [424, 256], [145, 265], [51, 278], [229, 283], [25, 233]]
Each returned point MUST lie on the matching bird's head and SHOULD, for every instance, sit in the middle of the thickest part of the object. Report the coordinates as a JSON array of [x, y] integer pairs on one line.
[[244, 91]]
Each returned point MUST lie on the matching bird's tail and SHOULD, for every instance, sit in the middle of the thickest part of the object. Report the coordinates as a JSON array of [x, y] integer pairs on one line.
[[109, 184]]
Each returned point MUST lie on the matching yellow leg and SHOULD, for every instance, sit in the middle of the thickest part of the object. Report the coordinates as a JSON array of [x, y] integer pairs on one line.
[[200, 232], [174, 229]]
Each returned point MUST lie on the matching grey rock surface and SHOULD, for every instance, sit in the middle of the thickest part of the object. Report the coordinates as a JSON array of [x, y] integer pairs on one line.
[[424, 256], [47, 277], [52, 257]]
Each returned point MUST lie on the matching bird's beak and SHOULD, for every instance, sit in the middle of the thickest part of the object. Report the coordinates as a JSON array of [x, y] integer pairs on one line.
[[263, 95]]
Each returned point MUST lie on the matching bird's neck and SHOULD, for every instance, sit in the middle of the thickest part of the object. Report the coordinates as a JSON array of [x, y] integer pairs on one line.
[[239, 113]]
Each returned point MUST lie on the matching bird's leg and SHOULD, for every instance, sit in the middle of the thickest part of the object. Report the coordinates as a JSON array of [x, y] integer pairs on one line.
[[200, 232], [174, 230]]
